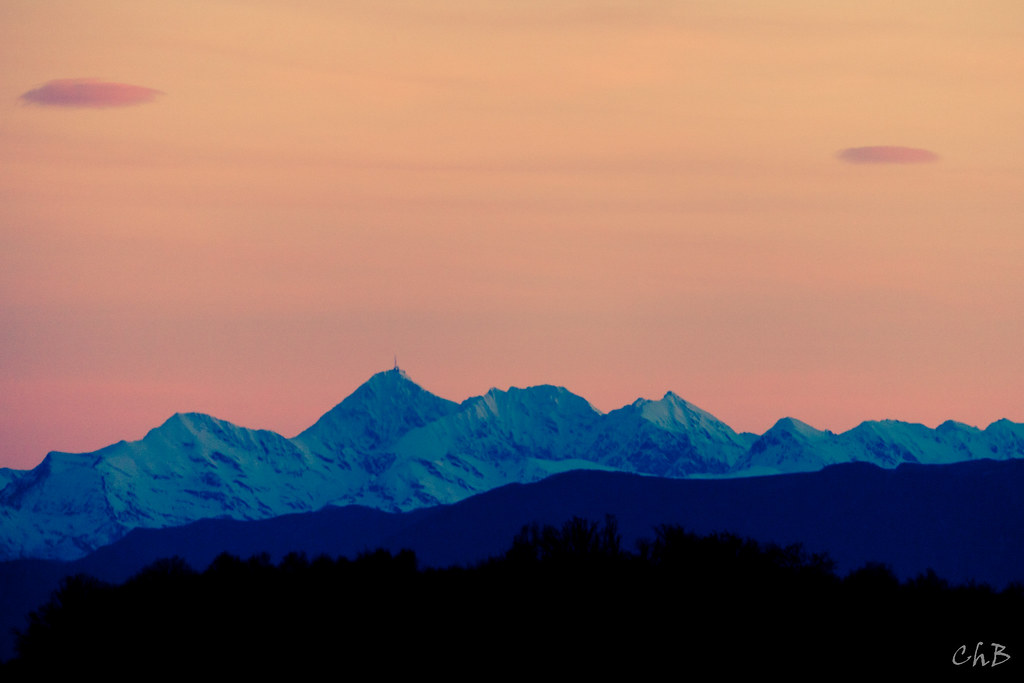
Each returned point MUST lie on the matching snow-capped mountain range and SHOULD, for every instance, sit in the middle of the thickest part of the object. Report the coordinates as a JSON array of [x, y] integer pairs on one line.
[[394, 446]]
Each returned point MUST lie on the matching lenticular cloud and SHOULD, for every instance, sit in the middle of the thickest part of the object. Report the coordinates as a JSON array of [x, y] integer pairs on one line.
[[89, 92], [887, 155]]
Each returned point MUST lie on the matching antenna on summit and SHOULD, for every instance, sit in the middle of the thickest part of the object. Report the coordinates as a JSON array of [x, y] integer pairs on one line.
[[396, 361]]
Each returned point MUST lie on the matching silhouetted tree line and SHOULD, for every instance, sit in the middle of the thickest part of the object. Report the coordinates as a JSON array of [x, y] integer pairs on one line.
[[568, 600]]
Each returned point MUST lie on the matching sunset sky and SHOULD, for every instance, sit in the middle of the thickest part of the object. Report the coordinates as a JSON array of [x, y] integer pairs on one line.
[[246, 208]]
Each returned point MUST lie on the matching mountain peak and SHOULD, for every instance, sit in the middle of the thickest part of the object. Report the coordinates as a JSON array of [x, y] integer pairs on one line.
[[393, 377], [950, 426], [795, 426], [376, 414], [674, 405], [181, 426], [538, 398]]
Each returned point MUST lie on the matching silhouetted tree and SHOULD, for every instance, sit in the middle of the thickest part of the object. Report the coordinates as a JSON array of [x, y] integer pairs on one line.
[[566, 598]]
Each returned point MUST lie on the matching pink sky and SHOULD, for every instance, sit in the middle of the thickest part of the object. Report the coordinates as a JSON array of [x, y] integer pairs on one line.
[[246, 209]]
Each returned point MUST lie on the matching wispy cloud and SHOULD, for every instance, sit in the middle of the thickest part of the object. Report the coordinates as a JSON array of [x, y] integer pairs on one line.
[[89, 92], [887, 154]]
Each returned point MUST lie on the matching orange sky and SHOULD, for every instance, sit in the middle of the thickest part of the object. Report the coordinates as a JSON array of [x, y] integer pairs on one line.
[[621, 197]]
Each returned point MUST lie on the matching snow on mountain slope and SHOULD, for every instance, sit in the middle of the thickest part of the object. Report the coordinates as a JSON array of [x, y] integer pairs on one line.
[[8, 476], [792, 446], [393, 446], [887, 443], [376, 415], [357, 435], [519, 435], [46, 511], [191, 467], [1004, 439], [670, 438], [541, 422], [197, 466]]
